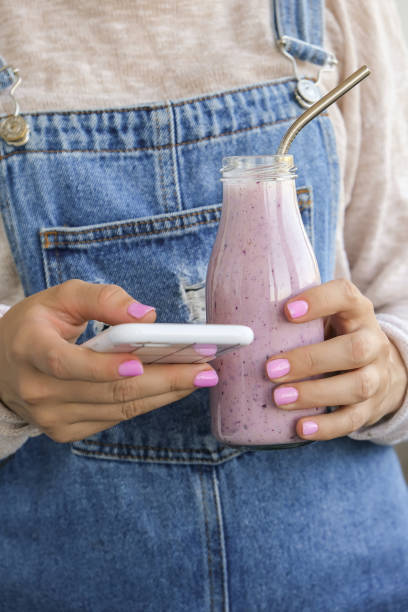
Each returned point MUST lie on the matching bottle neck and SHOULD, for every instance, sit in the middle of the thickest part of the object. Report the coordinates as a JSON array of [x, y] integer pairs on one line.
[[258, 168]]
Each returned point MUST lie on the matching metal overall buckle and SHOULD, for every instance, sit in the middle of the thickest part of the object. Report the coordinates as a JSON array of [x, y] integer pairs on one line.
[[14, 129], [307, 91]]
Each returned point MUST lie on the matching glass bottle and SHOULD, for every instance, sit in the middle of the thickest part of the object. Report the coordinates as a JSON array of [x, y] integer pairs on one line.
[[261, 257]]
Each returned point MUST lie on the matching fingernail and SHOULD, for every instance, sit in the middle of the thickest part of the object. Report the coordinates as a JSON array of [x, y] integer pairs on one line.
[[285, 395], [207, 350], [277, 368], [309, 428], [130, 368], [138, 310], [208, 378], [298, 308]]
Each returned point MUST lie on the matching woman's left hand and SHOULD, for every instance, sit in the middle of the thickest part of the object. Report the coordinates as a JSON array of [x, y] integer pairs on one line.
[[371, 378]]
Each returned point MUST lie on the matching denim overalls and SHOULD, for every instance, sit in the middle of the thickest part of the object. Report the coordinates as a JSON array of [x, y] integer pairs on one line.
[[154, 514]]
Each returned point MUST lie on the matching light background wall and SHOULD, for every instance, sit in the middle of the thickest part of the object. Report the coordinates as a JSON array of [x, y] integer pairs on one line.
[[402, 449]]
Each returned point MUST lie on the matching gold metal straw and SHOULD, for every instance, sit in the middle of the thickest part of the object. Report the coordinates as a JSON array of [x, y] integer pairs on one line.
[[320, 106]]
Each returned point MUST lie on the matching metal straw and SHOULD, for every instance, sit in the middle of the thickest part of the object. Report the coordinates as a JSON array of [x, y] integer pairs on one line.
[[320, 106]]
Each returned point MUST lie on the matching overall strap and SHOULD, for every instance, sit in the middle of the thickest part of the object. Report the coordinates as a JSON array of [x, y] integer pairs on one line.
[[14, 129], [299, 27], [6, 76]]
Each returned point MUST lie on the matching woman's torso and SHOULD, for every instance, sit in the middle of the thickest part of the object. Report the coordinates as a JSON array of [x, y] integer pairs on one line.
[[154, 514]]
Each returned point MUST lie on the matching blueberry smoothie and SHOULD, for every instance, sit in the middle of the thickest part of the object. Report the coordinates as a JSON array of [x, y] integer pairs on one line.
[[261, 257]]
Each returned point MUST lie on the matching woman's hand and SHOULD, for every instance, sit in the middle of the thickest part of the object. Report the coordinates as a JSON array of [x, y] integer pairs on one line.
[[370, 381], [71, 392]]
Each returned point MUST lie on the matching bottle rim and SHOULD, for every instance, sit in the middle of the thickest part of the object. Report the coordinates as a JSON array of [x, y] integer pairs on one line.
[[258, 167]]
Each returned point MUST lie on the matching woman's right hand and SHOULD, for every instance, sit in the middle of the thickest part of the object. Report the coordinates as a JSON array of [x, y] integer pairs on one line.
[[71, 392]]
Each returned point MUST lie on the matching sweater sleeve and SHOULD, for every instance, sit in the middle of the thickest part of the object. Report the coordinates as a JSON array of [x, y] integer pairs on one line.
[[14, 431], [395, 429]]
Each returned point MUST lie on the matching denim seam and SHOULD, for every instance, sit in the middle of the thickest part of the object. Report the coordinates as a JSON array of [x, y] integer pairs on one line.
[[194, 213], [142, 234], [207, 535], [175, 158], [220, 526], [160, 160], [170, 164], [128, 109], [188, 460], [331, 152], [153, 148], [47, 272], [149, 448], [333, 160]]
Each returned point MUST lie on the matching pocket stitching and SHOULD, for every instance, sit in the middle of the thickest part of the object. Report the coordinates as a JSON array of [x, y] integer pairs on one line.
[[220, 455], [49, 245]]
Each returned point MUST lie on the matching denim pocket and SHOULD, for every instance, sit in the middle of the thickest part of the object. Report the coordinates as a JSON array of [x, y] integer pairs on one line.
[[156, 259], [160, 260]]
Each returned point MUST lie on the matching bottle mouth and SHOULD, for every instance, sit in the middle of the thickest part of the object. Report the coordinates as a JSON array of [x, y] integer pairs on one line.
[[258, 168]]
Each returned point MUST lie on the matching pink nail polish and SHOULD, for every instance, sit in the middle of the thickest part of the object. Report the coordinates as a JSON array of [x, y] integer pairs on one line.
[[277, 368], [208, 378], [285, 395], [130, 368], [138, 310], [309, 428], [298, 308], [206, 350]]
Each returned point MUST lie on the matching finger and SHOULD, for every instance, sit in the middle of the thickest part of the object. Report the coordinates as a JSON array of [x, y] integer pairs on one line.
[[106, 413], [339, 297], [345, 352], [336, 424], [351, 388], [80, 301], [69, 377], [156, 379], [60, 359]]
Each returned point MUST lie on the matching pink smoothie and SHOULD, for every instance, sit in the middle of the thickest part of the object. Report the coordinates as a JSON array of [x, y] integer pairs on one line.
[[262, 256]]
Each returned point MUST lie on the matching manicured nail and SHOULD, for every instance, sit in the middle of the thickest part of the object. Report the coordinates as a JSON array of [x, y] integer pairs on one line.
[[206, 350], [138, 310], [285, 395], [309, 428], [130, 368], [208, 378], [298, 308], [277, 368]]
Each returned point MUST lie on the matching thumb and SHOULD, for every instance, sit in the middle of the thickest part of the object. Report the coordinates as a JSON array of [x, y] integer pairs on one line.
[[81, 301]]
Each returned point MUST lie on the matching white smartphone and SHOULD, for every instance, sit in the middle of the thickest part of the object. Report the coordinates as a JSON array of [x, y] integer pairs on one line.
[[172, 342]]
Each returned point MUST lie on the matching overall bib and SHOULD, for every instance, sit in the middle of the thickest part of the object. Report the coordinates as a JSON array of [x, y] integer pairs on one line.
[[155, 514]]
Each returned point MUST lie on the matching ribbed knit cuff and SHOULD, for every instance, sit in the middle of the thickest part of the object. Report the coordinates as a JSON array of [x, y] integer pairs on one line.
[[391, 430], [14, 431]]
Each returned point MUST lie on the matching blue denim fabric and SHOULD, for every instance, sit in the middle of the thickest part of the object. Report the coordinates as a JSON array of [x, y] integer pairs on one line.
[[154, 514], [301, 22], [317, 529]]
